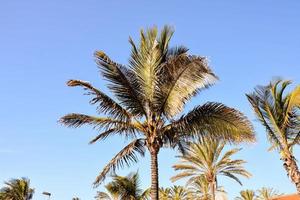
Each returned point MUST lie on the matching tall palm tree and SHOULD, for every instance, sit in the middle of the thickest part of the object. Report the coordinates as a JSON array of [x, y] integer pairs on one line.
[[178, 193], [17, 189], [267, 193], [150, 92], [205, 158], [246, 195], [121, 187], [279, 113]]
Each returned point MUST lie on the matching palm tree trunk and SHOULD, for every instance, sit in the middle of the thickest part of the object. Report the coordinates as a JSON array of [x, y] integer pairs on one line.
[[154, 175], [213, 191], [292, 169]]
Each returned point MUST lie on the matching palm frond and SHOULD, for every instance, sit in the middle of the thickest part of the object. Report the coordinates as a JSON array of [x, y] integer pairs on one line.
[[126, 156], [102, 196], [106, 105], [77, 120], [217, 120], [122, 83], [181, 78]]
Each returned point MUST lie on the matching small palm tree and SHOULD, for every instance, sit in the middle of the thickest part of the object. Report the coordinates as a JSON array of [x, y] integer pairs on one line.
[[200, 189], [279, 113], [164, 193], [17, 189], [246, 195], [178, 193], [151, 91], [124, 188], [204, 159], [267, 193]]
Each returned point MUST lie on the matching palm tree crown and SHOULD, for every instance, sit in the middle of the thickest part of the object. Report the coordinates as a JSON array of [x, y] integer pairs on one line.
[[279, 113], [205, 159], [123, 188], [17, 189], [151, 92], [267, 193], [246, 195]]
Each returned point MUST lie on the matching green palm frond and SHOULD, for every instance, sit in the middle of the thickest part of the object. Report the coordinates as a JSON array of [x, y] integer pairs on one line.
[[17, 189], [181, 78], [77, 120], [246, 195], [146, 59], [103, 196], [205, 158], [278, 112], [267, 193], [106, 105], [178, 193], [164, 193], [126, 156], [124, 187], [122, 83], [216, 120]]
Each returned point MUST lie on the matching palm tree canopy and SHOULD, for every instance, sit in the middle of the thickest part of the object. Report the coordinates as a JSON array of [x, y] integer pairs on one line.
[[178, 193], [267, 193], [200, 189], [279, 112], [150, 92], [246, 195], [205, 158], [17, 189], [124, 187]]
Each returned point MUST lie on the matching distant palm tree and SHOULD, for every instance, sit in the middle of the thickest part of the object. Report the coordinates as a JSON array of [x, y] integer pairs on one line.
[[164, 193], [121, 187], [151, 91], [205, 158], [267, 193], [279, 113], [17, 189], [246, 195], [200, 189], [75, 198], [178, 193]]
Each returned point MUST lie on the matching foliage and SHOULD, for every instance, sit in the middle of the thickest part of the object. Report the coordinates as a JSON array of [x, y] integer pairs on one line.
[[121, 187], [17, 189], [150, 94], [279, 113], [246, 195], [205, 159]]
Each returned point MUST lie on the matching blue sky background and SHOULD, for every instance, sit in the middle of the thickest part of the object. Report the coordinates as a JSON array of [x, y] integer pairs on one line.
[[45, 43]]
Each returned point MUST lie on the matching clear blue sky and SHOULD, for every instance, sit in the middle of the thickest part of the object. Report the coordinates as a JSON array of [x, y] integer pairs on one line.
[[45, 43]]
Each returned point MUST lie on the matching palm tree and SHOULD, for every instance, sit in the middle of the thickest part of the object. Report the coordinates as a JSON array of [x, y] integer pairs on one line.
[[204, 159], [178, 193], [124, 188], [164, 193], [75, 198], [279, 114], [151, 91], [200, 189], [17, 189], [246, 195], [267, 193]]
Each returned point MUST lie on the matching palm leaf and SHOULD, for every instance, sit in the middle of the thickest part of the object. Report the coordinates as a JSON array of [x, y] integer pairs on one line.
[[106, 104], [126, 156], [216, 120], [122, 83]]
